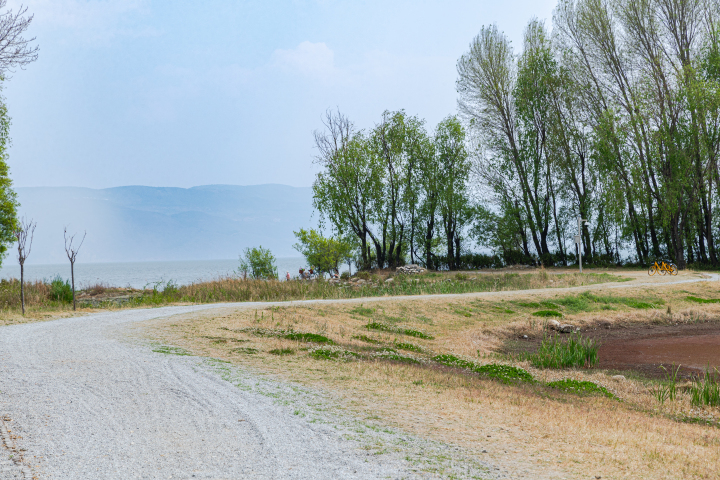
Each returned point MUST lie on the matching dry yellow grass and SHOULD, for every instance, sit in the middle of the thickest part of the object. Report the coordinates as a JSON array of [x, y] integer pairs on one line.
[[540, 428]]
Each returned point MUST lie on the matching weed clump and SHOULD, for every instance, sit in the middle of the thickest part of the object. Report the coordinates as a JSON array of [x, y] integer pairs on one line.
[[581, 387], [401, 330], [576, 351], [407, 346]]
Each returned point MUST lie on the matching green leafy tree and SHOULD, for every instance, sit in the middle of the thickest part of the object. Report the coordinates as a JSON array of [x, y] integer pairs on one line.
[[258, 263], [322, 253], [8, 198]]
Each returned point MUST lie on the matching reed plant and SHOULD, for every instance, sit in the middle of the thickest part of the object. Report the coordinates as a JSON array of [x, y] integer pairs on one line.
[[574, 351], [706, 389]]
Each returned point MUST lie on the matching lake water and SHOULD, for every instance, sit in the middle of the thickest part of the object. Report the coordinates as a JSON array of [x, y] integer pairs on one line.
[[140, 274]]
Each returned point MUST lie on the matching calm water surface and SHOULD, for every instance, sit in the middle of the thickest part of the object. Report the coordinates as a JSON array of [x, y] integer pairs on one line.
[[140, 274]]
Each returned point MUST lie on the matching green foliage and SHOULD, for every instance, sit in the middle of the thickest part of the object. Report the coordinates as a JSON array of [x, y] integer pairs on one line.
[[323, 254], [407, 346], [333, 353], [668, 389], [307, 337], [258, 263], [169, 350], [8, 198], [401, 330], [548, 313], [574, 351], [364, 311], [366, 339], [60, 291], [581, 387]]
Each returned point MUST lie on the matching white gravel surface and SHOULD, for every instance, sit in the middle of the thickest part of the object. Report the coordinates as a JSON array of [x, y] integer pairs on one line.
[[86, 401]]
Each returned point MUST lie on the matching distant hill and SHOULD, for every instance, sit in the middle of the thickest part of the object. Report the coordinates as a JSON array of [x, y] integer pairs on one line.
[[152, 224]]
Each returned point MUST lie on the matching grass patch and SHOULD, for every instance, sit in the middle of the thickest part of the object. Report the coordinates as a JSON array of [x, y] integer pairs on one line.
[[366, 339], [365, 312], [393, 355], [575, 351], [706, 390], [580, 387], [282, 351], [307, 337], [168, 350], [407, 346], [703, 300], [383, 327], [330, 353], [245, 350], [504, 373], [289, 335], [547, 313]]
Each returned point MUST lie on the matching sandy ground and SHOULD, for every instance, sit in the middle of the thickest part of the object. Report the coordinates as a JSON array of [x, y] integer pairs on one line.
[[82, 398]]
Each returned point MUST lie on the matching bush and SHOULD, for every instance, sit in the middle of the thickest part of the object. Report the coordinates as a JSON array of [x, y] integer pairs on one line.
[[258, 263], [60, 291], [345, 275]]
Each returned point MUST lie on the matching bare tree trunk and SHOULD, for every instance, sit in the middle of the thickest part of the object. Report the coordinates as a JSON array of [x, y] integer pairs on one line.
[[22, 287], [72, 276]]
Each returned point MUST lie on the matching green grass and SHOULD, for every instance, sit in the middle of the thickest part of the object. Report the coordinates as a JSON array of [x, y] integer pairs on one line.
[[168, 350], [504, 373], [366, 339], [547, 313], [703, 300], [706, 390], [581, 387], [383, 327], [574, 351], [289, 335], [331, 353], [365, 312], [407, 346], [245, 350], [389, 354], [282, 351]]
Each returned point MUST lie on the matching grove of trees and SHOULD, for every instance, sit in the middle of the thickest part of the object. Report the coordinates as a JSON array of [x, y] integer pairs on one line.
[[612, 114]]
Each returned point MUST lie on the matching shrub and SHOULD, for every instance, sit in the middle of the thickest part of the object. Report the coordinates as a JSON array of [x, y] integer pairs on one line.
[[258, 263], [504, 373], [576, 351], [345, 275], [61, 291]]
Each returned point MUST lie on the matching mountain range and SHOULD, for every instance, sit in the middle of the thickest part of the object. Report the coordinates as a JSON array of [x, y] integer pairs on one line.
[[136, 223]]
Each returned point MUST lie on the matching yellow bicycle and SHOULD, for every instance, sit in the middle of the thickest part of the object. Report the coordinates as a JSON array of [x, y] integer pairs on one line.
[[663, 268]]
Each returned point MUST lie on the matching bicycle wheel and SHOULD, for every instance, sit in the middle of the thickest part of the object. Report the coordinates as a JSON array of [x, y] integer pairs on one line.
[[672, 269], [652, 270], [663, 268]]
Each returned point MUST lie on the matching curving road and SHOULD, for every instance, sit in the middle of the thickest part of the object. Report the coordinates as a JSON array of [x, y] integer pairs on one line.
[[78, 400]]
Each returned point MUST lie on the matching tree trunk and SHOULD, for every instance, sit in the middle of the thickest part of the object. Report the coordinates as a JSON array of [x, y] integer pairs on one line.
[[72, 276], [22, 288]]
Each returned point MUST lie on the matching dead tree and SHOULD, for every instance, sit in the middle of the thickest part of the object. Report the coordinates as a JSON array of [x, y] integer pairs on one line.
[[15, 50], [22, 232], [72, 252]]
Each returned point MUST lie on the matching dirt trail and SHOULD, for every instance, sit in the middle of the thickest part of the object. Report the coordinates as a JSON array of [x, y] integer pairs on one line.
[[81, 401]]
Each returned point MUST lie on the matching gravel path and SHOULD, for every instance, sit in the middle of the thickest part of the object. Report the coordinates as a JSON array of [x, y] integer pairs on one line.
[[80, 401]]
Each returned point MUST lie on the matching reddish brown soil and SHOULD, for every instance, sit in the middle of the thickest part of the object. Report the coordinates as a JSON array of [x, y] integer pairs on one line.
[[651, 350]]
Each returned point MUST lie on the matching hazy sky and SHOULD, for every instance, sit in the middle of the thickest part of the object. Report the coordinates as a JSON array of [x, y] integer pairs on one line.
[[185, 93]]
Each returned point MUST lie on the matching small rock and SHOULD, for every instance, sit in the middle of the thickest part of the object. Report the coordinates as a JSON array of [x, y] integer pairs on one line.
[[553, 324], [525, 336], [389, 280], [618, 378], [566, 328]]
